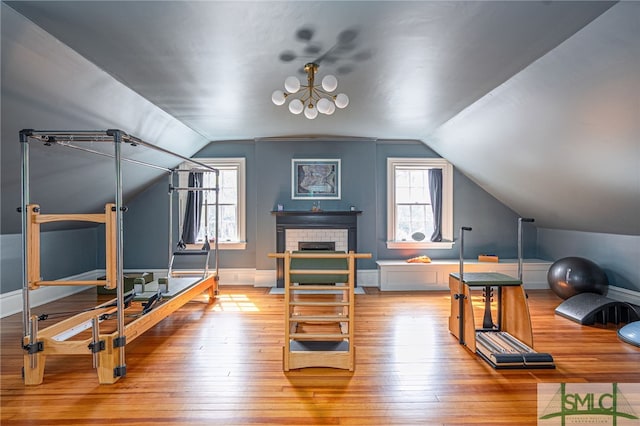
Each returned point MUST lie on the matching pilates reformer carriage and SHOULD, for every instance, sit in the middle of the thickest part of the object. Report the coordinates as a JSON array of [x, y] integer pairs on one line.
[[506, 343], [104, 331]]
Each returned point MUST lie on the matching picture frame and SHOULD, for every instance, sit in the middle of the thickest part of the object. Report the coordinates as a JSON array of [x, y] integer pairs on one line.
[[315, 179]]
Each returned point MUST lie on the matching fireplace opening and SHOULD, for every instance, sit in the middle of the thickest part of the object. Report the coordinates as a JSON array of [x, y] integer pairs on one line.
[[317, 245]]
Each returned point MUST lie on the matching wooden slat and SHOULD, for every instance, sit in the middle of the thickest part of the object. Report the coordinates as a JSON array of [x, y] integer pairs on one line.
[[318, 336], [323, 287], [318, 318], [90, 217], [67, 282], [310, 303], [33, 243], [110, 231]]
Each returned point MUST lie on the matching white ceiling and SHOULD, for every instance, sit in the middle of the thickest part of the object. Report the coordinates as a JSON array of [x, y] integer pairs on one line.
[[473, 80]]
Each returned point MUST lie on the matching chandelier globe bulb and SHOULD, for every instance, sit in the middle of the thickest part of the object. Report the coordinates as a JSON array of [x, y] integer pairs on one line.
[[332, 108], [311, 112], [323, 105], [278, 97], [292, 84], [329, 83], [342, 100], [296, 106]]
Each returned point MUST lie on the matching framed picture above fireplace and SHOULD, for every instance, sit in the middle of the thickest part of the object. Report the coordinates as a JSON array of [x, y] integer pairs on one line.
[[317, 179]]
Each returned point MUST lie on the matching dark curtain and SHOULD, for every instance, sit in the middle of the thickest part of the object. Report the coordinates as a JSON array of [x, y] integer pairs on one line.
[[192, 211], [435, 189]]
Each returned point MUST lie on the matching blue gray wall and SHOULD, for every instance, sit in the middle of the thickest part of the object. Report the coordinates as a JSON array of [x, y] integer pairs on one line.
[[64, 253], [617, 255], [363, 185]]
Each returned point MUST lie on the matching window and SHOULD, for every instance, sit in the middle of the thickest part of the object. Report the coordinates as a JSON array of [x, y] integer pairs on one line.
[[410, 217], [231, 202]]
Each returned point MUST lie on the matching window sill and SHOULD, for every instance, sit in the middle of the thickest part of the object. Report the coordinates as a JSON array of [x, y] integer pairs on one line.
[[442, 245], [222, 245]]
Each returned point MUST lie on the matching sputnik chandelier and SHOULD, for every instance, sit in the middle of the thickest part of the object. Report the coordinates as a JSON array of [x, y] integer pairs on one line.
[[312, 98]]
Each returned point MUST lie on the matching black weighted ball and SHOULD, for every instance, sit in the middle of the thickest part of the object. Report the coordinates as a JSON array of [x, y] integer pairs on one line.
[[573, 275]]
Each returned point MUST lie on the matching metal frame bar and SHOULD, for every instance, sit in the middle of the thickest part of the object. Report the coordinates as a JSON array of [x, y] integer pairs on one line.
[[520, 248], [67, 138], [216, 189]]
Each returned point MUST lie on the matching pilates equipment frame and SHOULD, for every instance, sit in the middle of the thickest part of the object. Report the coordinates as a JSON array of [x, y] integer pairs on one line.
[[324, 348], [507, 343], [108, 350]]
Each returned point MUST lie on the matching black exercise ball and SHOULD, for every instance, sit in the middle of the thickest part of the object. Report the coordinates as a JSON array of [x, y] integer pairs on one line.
[[573, 275]]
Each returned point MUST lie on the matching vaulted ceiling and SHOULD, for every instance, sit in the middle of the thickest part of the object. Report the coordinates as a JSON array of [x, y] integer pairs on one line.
[[537, 102]]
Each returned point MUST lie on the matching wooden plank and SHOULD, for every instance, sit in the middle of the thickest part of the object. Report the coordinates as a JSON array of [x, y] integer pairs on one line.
[[318, 318], [66, 324], [322, 287], [67, 282], [213, 365], [317, 336], [310, 303], [110, 230], [81, 217], [515, 318], [33, 249]]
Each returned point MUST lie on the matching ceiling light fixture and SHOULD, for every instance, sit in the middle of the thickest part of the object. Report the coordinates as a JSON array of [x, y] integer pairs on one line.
[[312, 98]]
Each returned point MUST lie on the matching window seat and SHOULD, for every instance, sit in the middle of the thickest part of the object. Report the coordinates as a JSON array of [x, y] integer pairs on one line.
[[399, 275]]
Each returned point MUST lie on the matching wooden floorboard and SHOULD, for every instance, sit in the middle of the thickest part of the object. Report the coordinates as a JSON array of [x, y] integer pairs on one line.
[[221, 364]]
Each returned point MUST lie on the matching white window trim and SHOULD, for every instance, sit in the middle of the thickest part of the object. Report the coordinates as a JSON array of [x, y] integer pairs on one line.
[[447, 203], [240, 163]]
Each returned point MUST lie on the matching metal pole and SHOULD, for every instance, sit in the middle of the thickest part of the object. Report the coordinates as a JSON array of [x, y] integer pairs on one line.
[[106, 154], [462, 229], [120, 369], [460, 295], [215, 243], [24, 173], [520, 255], [170, 216], [132, 139], [105, 136]]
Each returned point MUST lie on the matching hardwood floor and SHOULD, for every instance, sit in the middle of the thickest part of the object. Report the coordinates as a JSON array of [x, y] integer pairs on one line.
[[222, 364]]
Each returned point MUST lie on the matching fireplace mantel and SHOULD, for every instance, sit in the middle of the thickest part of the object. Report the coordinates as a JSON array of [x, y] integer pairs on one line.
[[316, 212], [322, 219]]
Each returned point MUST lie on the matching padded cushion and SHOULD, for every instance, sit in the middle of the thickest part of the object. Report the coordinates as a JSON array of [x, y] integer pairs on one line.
[[589, 308], [298, 263], [630, 333]]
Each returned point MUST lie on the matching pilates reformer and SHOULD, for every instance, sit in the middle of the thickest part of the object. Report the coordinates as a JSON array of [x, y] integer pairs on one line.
[[92, 331], [508, 342]]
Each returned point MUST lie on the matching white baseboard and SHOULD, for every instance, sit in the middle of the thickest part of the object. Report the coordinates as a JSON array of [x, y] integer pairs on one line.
[[11, 302], [624, 295], [238, 276], [265, 278], [368, 278]]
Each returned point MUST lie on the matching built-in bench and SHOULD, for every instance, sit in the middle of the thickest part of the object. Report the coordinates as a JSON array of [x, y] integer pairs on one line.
[[399, 275]]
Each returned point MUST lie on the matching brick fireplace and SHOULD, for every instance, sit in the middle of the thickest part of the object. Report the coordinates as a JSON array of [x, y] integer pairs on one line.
[[292, 227]]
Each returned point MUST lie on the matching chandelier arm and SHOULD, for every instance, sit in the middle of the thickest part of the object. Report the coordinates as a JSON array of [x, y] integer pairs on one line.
[[325, 93], [304, 99], [311, 94]]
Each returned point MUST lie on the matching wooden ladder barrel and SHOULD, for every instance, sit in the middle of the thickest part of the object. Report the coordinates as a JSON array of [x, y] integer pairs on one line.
[[319, 317]]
